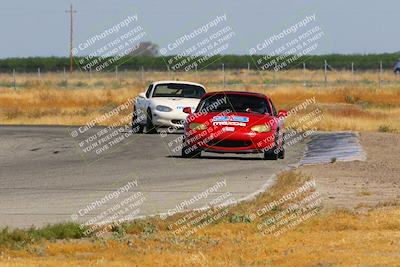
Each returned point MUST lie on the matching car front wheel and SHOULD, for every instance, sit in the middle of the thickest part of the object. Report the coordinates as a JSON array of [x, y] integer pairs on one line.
[[137, 127], [271, 153], [189, 152], [281, 154], [150, 128]]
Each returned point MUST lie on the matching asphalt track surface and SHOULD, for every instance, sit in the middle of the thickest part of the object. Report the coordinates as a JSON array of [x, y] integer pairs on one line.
[[325, 147], [45, 177]]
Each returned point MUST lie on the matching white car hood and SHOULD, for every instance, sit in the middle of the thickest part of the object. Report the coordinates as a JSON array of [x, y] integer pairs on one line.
[[176, 103]]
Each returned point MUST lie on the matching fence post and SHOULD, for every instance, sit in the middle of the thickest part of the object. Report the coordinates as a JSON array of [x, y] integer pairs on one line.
[[325, 69], [38, 71], [248, 66], [15, 84], [116, 73], [223, 75], [304, 74], [64, 75], [90, 72], [141, 74]]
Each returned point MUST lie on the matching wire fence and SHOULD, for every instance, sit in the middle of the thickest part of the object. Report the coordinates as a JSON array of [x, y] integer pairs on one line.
[[325, 76]]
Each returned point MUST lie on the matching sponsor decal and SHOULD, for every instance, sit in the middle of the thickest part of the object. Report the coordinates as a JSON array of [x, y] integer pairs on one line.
[[228, 129], [230, 118], [182, 107], [240, 119], [220, 118], [229, 123]]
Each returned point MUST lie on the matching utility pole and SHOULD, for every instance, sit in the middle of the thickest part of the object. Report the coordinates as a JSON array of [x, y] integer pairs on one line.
[[223, 75], [71, 34], [380, 73]]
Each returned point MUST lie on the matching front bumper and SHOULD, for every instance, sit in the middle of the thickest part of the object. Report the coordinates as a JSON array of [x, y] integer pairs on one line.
[[232, 142], [169, 119]]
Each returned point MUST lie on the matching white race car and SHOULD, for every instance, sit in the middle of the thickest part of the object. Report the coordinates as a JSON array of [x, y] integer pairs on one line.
[[162, 105]]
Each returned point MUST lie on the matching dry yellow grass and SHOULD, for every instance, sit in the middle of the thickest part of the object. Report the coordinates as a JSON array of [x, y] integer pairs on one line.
[[341, 245], [358, 105], [332, 238]]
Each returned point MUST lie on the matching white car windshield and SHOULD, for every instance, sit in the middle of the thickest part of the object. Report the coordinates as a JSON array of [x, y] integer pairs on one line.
[[178, 90]]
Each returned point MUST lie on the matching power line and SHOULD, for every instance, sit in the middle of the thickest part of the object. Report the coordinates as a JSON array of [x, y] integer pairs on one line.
[[71, 41]]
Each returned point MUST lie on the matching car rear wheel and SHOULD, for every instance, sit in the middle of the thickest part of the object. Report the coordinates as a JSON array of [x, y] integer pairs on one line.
[[397, 71], [150, 128]]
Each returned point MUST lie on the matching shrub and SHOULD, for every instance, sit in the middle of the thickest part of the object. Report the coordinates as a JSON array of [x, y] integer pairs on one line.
[[19, 238], [239, 219], [386, 129], [13, 113], [149, 228], [81, 84]]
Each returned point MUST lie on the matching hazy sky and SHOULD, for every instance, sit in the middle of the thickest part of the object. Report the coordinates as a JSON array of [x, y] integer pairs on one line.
[[41, 27]]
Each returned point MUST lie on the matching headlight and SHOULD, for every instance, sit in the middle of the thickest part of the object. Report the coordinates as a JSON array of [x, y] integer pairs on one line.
[[261, 128], [197, 126], [163, 108]]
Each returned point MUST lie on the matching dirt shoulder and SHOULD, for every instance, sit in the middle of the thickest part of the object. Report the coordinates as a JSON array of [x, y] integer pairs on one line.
[[357, 184]]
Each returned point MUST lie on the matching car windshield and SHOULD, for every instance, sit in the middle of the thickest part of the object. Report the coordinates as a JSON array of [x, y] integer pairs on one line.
[[178, 90], [234, 103]]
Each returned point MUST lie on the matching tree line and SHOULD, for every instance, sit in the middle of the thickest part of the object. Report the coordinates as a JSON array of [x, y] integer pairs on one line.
[[314, 62]]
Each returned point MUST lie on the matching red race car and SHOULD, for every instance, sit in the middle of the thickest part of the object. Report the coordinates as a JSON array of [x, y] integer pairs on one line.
[[234, 122]]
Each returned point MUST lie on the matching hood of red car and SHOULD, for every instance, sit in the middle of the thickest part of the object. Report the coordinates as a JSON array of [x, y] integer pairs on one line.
[[235, 119]]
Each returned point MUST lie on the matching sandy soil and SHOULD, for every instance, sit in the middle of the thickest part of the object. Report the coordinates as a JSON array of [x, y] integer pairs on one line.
[[360, 184]]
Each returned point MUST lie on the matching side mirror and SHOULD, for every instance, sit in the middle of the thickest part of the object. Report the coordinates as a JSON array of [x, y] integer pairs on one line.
[[187, 110], [142, 95], [282, 113]]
